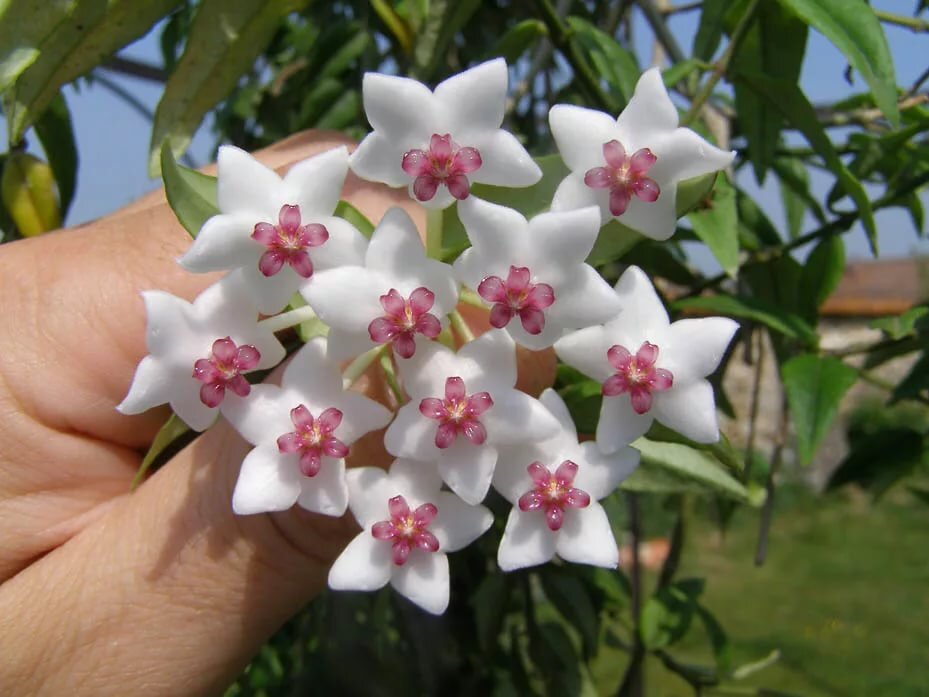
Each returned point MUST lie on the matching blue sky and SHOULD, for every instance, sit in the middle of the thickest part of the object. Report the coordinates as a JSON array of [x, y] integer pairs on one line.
[[113, 139]]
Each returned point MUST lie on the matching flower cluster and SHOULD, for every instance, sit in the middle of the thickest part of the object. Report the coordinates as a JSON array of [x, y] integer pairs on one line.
[[457, 424]]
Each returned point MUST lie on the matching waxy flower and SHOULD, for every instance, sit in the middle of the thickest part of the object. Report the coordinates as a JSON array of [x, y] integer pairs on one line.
[[554, 486], [408, 526], [399, 297], [630, 167], [279, 232], [439, 143], [650, 369], [302, 431], [198, 352], [462, 408], [533, 274]]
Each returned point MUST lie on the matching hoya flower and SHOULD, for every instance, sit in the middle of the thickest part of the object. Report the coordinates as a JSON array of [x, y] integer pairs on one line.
[[279, 232], [554, 486], [408, 527], [630, 166], [302, 431], [399, 297], [199, 352], [533, 274], [439, 143], [650, 368], [462, 408]]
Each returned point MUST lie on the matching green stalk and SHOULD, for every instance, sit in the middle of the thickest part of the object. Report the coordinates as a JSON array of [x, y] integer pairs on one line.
[[434, 233]]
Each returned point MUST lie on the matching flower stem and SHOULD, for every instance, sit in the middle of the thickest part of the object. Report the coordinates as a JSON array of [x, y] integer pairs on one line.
[[285, 320], [469, 297], [358, 366], [434, 220], [390, 375], [461, 327]]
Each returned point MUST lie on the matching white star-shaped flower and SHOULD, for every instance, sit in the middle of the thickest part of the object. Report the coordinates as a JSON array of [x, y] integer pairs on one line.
[[398, 297], [462, 407], [533, 273], [630, 166], [198, 352], [554, 487], [439, 143], [408, 526], [279, 232], [302, 431], [650, 369]]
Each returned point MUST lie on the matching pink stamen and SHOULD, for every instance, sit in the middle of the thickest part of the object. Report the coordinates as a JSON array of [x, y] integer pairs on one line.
[[313, 438], [517, 296], [553, 493], [288, 242], [457, 413], [624, 176], [445, 163], [403, 319], [407, 529], [636, 375], [223, 370]]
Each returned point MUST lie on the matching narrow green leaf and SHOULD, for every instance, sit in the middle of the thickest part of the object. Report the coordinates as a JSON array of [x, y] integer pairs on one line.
[[224, 40], [880, 460], [915, 384], [489, 602], [611, 61], [25, 25], [56, 134], [173, 429], [81, 41], [772, 316], [443, 20], [710, 29], [572, 599], [814, 385], [794, 180], [722, 650], [903, 325], [348, 212], [747, 669], [518, 39], [854, 29], [787, 98], [681, 71], [191, 195], [664, 464], [822, 272], [717, 226], [722, 449]]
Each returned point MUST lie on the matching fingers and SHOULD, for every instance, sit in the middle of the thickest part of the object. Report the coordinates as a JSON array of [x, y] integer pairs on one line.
[[168, 592]]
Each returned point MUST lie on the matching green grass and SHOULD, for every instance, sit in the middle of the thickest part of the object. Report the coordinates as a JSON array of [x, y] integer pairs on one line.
[[844, 596]]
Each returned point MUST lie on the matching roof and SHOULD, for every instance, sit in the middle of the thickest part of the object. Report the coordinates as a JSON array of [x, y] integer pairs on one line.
[[877, 288]]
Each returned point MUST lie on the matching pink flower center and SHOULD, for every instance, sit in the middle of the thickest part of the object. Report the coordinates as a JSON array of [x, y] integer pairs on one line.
[[403, 319], [223, 369], [288, 242], [553, 493], [444, 163], [624, 176], [457, 413], [636, 375], [517, 296], [407, 529], [312, 438]]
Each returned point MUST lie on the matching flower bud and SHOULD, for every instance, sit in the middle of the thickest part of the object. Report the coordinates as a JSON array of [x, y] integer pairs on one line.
[[30, 194]]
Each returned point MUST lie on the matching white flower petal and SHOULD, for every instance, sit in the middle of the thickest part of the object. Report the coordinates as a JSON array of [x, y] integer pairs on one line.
[[442, 199], [315, 184], [151, 386], [682, 154], [511, 479], [327, 492], [228, 302], [650, 112], [311, 372], [418, 481], [347, 297], [494, 352], [518, 418], [398, 107], [224, 242], [244, 185], [586, 350], [561, 240], [694, 347], [496, 232], [379, 157], [600, 474], [271, 293], [345, 246], [395, 244], [527, 541], [585, 300], [346, 345], [587, 538], [573, 193], [656, 220], [168, 322], [185, 401], [553, 330], [504, 161], [271, 350], [360, 416], [423, 580], [457, 524], [364, 565], [368, 492], [580, 134], [690, 410], [641, 306], [268, 481], [468, 469], [619, 424], [552, 401], [474, 99], [412, 435], [424, 374], [262, 417]]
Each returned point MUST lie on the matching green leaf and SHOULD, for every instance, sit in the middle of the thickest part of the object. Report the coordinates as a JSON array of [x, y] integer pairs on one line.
[[681, 71], [56, 134], [747, 669], [666, 616], [24, 26], [880, 460], [822, 272], [915, 383], [611, 61], [518, 39], [814, 385], [710, 29], [443, 20], [572, 599], [670, 467], [224, 40], [489, 603], [348, 212], [717, 226], [794, 181], [903, 325], [191, 195], [80, 41], [722, 449], [722, 650], [173, 429], [787, 98], [772, 316], [773, 47], [854, 29]]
